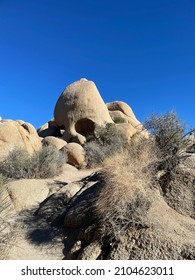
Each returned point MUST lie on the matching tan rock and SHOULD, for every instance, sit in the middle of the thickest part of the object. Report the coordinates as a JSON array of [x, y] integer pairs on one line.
[[18, 134], [71, 189], [48, 129], [121, 110], [75, 154], [43, 127], [120, 106], [126, 110], [26, 193], [54, 141], [118, 117], [79, 109], [46, 125], [127, 130]]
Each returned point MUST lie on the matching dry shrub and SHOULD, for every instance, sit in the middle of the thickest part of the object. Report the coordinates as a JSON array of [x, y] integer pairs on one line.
[[123, 200], [168, 133], [4, 224], [45, 163]]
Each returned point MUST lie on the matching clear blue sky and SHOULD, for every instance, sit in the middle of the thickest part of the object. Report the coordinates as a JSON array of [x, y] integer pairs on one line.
[[138, 51]]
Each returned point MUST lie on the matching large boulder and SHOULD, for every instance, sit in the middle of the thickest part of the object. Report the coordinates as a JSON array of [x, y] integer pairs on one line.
[[122, 114], [79, 110], [49, 129], [18, 134], [26, 193], [54, 141], [124, 111], [75, 154], [127, 130]]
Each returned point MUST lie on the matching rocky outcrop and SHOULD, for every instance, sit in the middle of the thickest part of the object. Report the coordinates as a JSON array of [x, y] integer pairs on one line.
[[18, 134], [49, 129], [54, 141], [79, 109], [26, 193], [121, 113]]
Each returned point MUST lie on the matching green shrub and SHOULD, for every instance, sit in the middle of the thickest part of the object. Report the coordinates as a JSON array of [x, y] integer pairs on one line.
[[119, 119], [45, 163], [104, 143]]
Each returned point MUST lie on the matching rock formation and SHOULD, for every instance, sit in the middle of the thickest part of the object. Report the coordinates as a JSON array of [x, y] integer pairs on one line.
[[79, 109], [92, 213], [18, 134]]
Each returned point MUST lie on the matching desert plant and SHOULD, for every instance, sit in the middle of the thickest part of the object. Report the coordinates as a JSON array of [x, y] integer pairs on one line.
[[4, 224], [123, 201], [45, 163], [105, 142], [119, 119], [16, 165], [168, 131]]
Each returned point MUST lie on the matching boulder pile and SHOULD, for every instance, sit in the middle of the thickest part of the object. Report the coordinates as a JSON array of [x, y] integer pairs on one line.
[[118, 210], [79, 111]]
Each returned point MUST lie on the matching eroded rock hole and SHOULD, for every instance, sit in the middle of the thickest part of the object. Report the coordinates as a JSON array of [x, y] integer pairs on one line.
[[85, 126]]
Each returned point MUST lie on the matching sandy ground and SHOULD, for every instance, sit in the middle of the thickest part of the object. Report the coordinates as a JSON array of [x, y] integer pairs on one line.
[[20, 247]]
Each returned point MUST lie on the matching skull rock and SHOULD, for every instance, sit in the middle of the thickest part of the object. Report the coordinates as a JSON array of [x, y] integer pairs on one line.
[[79, 109]]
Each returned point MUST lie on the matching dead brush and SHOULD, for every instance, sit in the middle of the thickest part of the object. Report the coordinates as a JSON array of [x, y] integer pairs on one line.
[[168, 133], [5, 228], [123, 201]]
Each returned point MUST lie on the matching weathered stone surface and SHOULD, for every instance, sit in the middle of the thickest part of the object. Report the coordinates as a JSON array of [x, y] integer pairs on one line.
[[18, 134], [118, 117], [26, 193], [75, 154], [127, 112], [54, 141], [81, 208], [79, 109], [126, 129], [50, 131]]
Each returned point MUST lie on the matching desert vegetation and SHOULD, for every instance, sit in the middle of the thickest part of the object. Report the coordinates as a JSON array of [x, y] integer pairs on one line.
[[45, 163], [144, 165], [119, 119], [4, 224], [105, 142]]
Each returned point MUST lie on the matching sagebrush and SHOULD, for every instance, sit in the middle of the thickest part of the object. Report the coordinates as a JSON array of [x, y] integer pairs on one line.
[[44, 163], [105, 142], [123, 201], [153, 162]]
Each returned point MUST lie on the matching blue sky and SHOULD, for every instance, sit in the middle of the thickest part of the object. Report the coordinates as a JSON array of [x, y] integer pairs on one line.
[[141, 52]]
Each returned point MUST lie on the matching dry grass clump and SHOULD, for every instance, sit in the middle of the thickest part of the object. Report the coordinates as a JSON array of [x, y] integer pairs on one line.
[[104, 143], [168, 133], [154, 162], [4, 224], [123, 200], [42, 164]]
